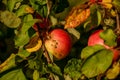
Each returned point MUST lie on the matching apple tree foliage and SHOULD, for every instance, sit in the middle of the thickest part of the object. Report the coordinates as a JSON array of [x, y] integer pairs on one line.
[[17, 32]]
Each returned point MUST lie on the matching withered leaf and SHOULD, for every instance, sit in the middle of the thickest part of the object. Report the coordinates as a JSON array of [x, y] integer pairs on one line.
[[77, 16]]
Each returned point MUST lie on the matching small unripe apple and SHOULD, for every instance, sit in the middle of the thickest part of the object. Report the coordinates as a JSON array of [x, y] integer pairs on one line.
[[59, 43], [96, 39]]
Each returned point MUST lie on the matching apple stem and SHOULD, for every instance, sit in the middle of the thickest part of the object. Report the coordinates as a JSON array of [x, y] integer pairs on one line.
[[43, 35]]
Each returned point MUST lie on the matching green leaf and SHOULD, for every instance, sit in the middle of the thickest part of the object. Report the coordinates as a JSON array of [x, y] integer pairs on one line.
[[73, 68], [99, 17], [28, 22], [14, 75], [22, 10], [40, 6], [8, 64], [23, 53], [35, 64], [9, 19], [97, 64], [36, 75], [109, 37], [54, 69], [23, 36], [22, 39], [90, 50], [95, 15], [11, 4]]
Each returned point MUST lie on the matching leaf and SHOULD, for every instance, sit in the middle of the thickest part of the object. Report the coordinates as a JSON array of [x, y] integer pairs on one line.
[[36, 75], [109, 37], [74, 32], [28, 22], [40, 6], [14, 75], [35, 64], [113, 72], [90, 50], [11, 4], [73, 68], [8, 63], [97, 64], [23, 53], [75, 35], [96, 16], [54, 69], [22, 37], [9, 19], [77, 16], [99, 17], [24, 9]]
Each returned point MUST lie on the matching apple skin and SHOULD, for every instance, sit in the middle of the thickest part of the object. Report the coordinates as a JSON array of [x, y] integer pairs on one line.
[[116, 54], [59, 43], [95, 39]]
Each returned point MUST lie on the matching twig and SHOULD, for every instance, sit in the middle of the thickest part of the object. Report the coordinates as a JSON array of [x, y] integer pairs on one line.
[[117, 30], [43, 36]]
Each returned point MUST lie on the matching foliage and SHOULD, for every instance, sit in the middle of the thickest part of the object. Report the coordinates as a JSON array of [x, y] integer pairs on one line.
[[22, 20]]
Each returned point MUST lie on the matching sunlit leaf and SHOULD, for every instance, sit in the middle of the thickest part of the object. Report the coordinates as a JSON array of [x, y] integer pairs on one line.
[[8, 64], [109, 37], [97, 64], [90, 50], [77, 16], [11, 4], [23, 36], [24, 9], [14, 75], [113, 72], [9, 19]]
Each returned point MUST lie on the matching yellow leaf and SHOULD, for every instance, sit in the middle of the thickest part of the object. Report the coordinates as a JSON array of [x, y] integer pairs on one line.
[[113, 72], [34, 44], [77, 16]]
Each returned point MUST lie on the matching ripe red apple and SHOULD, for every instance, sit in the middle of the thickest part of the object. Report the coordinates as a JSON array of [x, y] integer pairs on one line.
[[95, 39], [59, 43]]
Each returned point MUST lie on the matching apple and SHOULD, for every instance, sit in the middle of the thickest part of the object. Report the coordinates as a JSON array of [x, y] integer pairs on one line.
[[59, 43], [96, 39]]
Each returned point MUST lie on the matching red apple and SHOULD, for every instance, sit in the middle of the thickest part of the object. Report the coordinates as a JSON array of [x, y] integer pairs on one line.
[[116, 54], [59, 43], [95, 39]]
